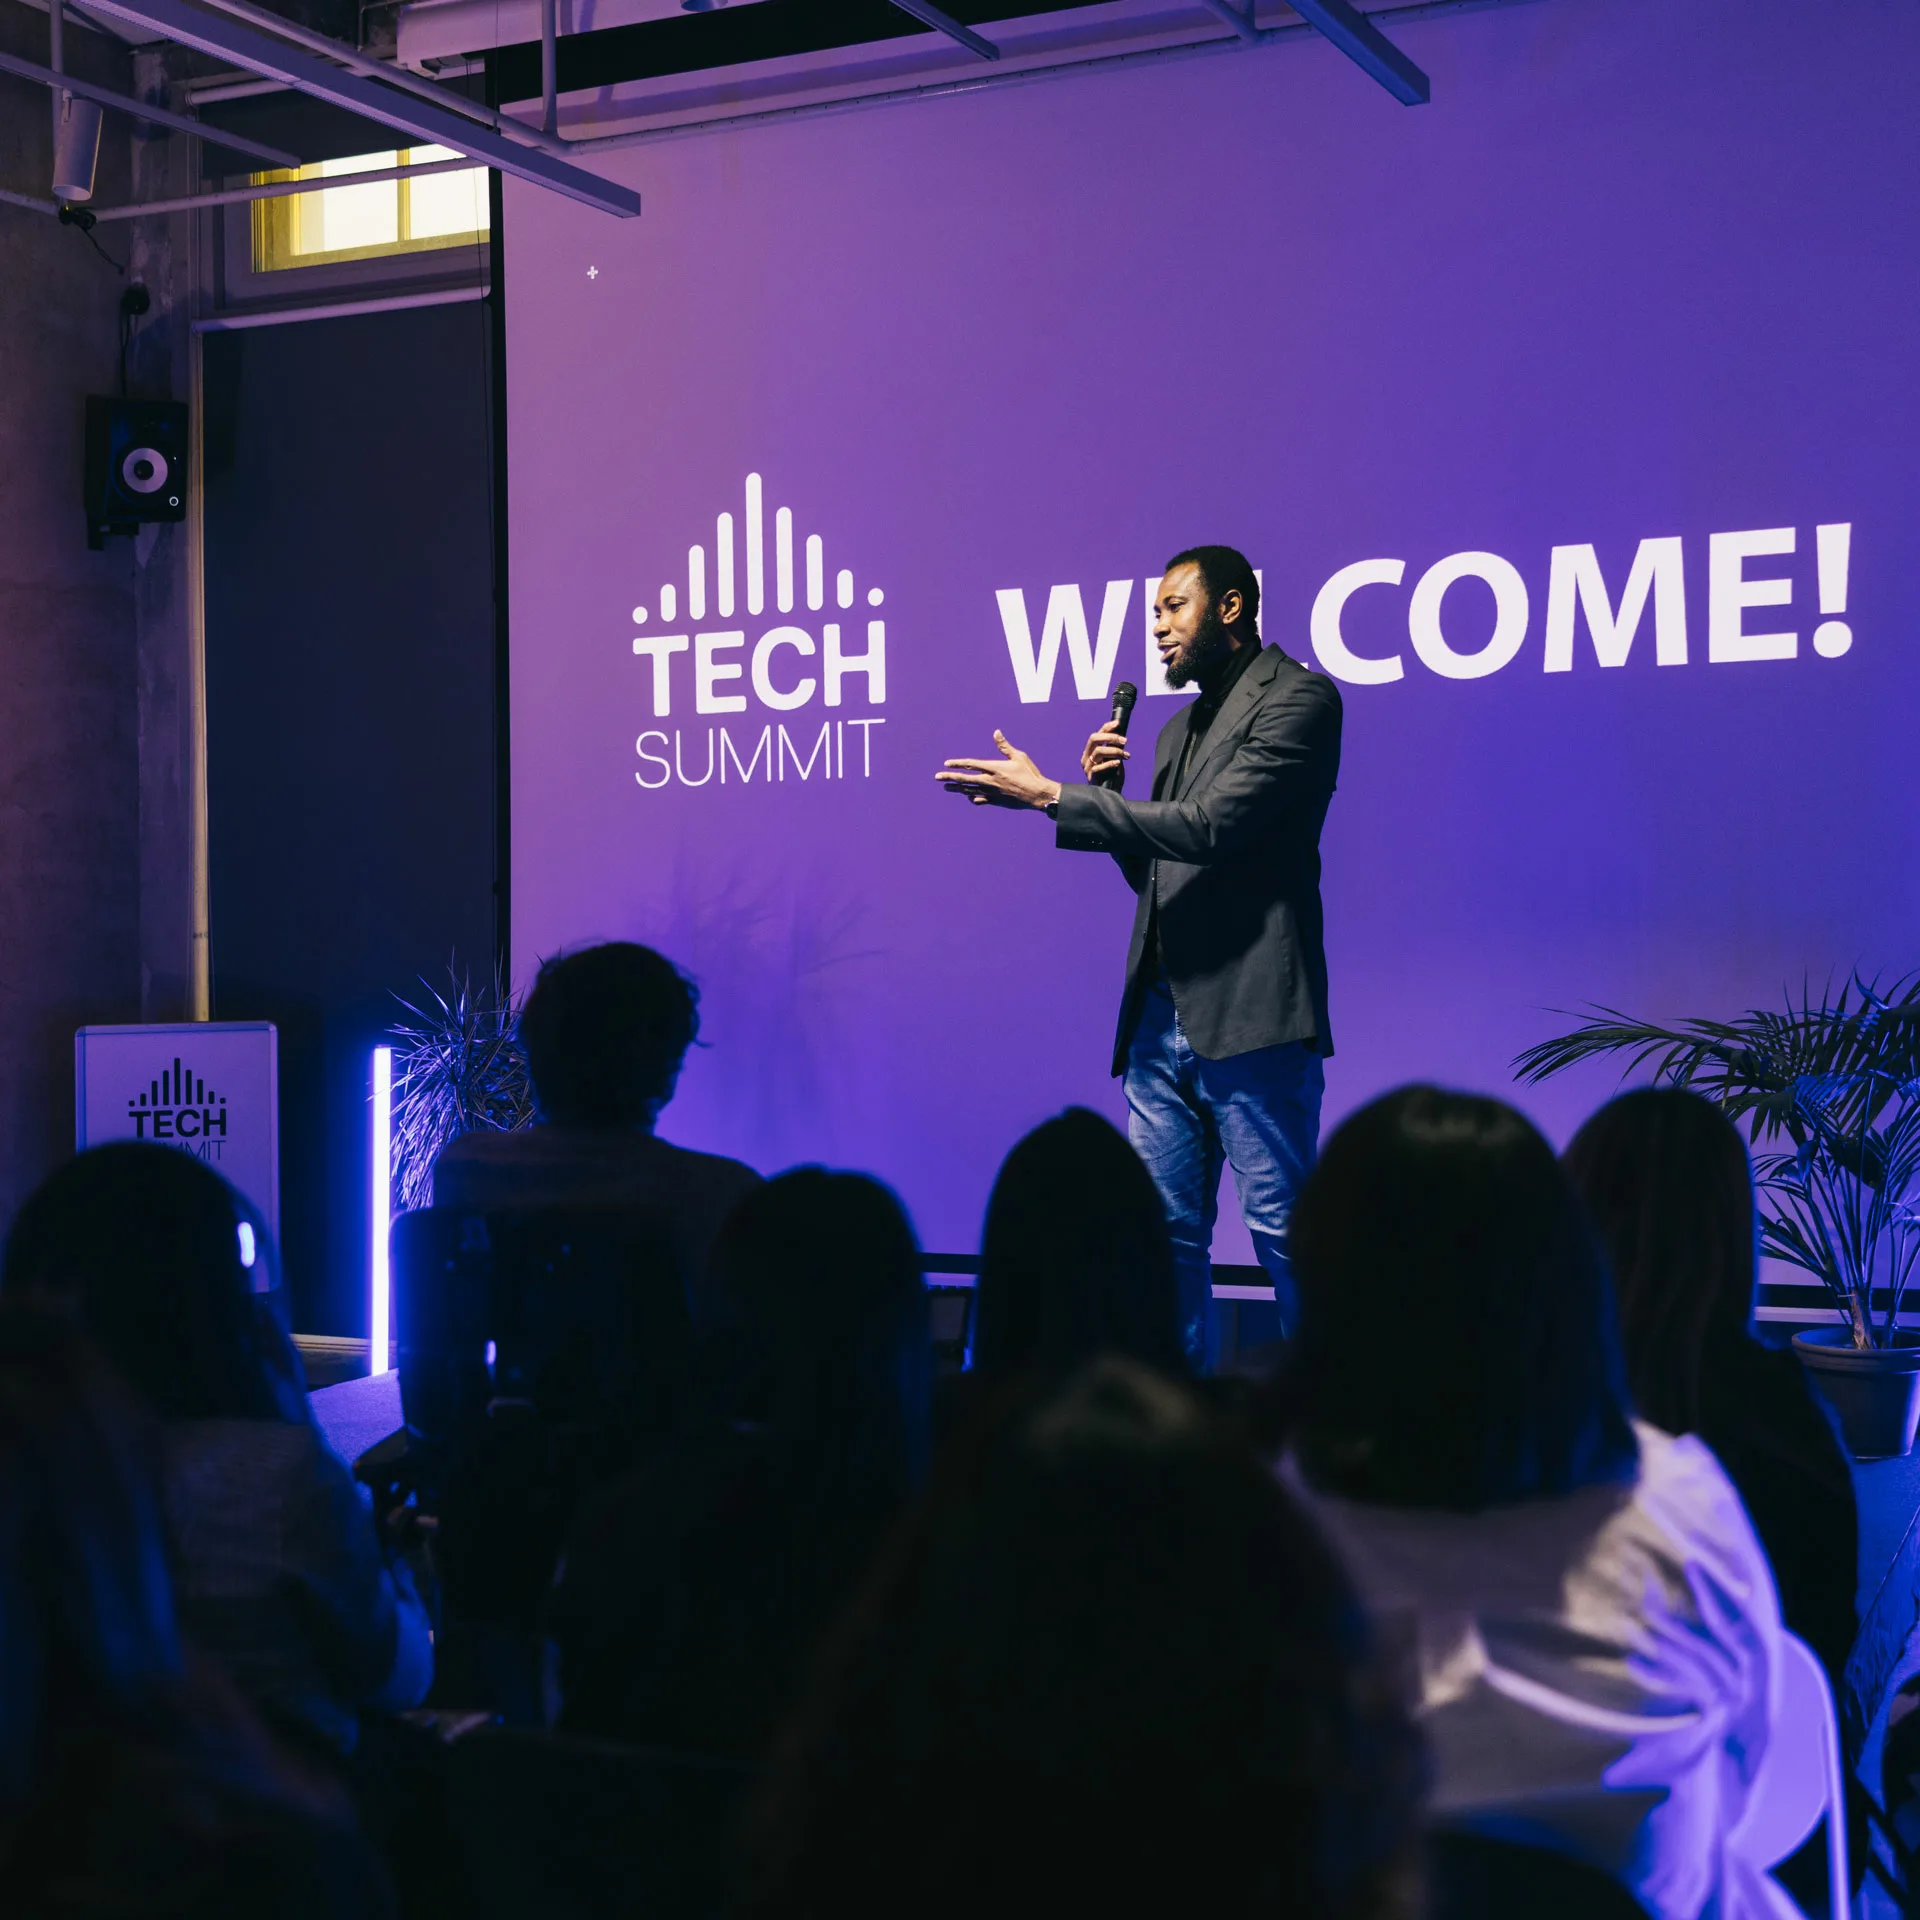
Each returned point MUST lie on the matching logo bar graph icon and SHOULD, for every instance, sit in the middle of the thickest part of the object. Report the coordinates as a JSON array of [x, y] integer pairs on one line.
[[739, 568], [177, 1086], [178, 1105]]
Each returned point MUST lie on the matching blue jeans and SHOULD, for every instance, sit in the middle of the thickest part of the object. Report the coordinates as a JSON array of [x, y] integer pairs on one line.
[[1260, 1112]]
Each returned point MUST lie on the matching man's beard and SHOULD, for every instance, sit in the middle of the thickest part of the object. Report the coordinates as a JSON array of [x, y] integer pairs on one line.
[[1212, 647]]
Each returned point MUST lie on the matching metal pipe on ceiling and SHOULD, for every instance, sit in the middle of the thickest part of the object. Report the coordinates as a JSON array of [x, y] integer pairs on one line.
[[1368, 48], [941, 89], [277, 190], [57, 60], [338, 309], [408, 82], [427, 122], [931, 16], [1018, 75], [549, 68], [140, 110], [209, 93], [1241, 23], [75, 18], [1025, 74]]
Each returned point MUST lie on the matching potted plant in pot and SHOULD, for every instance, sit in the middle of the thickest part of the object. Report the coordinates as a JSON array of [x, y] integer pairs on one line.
[[458, 1065], [1829, 1089]]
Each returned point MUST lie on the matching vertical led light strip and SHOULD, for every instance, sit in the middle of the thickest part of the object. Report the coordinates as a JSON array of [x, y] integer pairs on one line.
[[379, 1316]]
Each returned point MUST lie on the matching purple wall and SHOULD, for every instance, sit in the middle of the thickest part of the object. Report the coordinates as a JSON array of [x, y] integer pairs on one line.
[[1641, 272]]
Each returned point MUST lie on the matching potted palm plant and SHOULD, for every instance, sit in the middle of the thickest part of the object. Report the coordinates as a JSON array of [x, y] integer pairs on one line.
[[458, 1065], [1829, 1091]]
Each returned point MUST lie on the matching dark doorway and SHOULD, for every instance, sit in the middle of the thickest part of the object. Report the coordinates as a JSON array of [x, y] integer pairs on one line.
[[350, 678]]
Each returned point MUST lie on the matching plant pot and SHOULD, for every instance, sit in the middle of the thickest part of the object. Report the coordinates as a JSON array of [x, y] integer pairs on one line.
[[1875, 1391]]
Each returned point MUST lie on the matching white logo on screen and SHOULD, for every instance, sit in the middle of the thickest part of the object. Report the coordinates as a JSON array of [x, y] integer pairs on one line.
[[776, 658]]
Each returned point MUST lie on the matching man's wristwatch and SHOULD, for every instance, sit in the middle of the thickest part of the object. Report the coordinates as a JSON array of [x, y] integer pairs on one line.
[[1053, 809]]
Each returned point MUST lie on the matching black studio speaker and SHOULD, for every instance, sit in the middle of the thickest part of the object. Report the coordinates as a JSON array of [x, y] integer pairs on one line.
[[136, 464]]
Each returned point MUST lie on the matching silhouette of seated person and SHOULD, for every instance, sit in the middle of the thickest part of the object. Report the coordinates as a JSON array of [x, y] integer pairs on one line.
[[1074, 1258], [1666, 1178], [606, 1030], [1107, 1667], [279, 1569], [692, 1593], [1579, 1597], [135, 1782]]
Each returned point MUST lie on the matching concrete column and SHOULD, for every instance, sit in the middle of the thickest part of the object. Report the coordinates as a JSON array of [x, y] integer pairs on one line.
[[166, 256]]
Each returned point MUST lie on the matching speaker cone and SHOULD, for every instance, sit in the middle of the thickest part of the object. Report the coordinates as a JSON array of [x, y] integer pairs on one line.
[[144, 469]]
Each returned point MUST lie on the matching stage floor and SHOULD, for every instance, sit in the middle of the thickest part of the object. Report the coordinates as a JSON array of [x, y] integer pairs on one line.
[[356, 1413]]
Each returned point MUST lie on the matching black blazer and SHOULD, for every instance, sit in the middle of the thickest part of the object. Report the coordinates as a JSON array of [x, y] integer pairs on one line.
[[1232, 861]]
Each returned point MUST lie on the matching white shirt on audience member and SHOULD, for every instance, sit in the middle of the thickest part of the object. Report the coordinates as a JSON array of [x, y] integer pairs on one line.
[[1594, 1672]]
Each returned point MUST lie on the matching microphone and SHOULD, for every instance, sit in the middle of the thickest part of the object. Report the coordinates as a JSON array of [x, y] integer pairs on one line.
[[1124, 695]]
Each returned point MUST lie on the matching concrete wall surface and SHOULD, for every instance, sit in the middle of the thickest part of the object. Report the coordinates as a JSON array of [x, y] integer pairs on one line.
[[69, 764]]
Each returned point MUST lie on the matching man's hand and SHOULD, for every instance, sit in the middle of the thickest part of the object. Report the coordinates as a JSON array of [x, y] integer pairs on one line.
[[1105, 750], [1012, 782]]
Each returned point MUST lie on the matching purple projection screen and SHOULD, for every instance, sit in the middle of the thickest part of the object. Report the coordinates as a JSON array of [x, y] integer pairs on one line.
[[1571, 421]]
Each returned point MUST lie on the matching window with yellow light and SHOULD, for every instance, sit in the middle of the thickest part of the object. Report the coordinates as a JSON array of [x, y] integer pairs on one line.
[[375, 217]]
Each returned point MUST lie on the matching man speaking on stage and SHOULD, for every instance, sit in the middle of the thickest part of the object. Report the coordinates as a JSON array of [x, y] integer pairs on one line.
[[1223, 1021]]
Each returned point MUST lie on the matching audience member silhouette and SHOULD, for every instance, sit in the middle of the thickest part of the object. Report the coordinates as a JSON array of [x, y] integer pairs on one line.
[[1666, 1178], [277, 1565], [1074, 1259], [134, 1782], [606, 1030], [1595, 1624], [692, 1593], [1107, 1668]]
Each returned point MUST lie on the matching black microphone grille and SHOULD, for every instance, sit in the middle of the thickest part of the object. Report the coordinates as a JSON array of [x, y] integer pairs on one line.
[[1124, 695]]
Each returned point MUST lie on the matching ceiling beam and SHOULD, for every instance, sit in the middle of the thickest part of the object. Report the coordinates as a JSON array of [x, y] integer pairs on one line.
[[1241, 23], [275, 190], [342, 55], [426, 122], [929, 15], [1368, 48], [126, 103]]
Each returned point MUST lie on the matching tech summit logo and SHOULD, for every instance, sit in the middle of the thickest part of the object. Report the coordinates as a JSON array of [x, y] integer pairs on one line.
[[787, 670], [181, 1110], [785, 667]]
